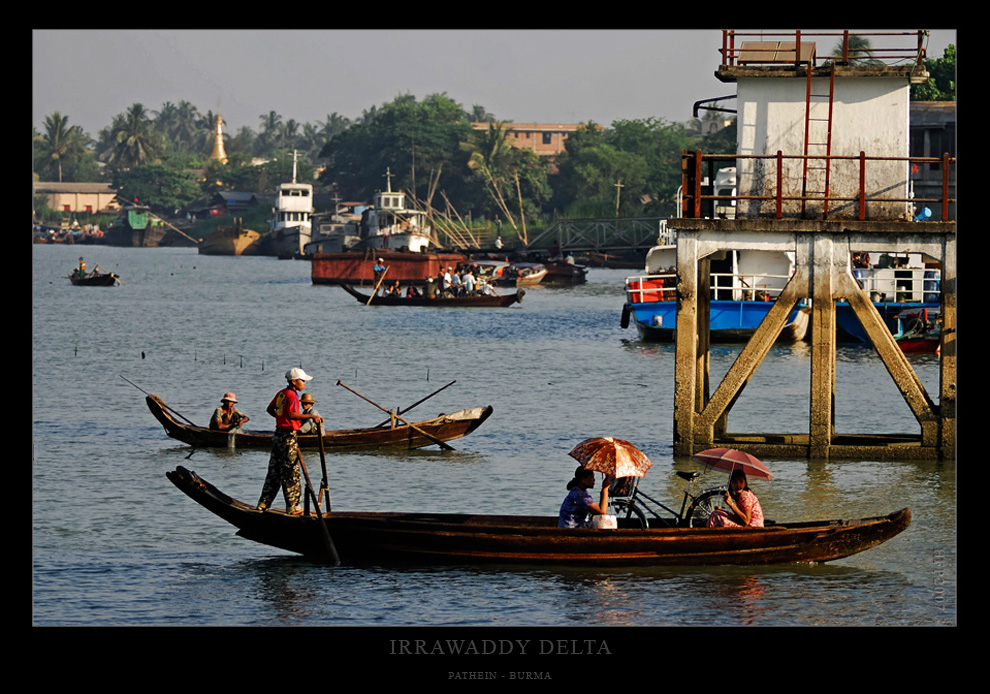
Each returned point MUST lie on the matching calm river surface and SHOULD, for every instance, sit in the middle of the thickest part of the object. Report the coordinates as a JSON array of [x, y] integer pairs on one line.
[[114, 543]]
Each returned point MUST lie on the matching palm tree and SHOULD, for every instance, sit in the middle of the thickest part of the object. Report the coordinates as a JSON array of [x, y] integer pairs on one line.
[[179, 125], [272, 132], [856, 50], [61, 142], [132, 139], [492, 156]]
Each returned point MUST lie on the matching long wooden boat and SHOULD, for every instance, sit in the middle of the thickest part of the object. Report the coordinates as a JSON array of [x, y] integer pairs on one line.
[[444, 538], [94, 279], [445, 427], [393, 300]]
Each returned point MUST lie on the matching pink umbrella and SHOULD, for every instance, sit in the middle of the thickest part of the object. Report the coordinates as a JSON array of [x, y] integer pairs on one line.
[[612, 456], [730, 459]]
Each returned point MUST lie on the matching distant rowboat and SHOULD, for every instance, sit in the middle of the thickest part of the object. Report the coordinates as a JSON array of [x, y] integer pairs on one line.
[[94, 279]]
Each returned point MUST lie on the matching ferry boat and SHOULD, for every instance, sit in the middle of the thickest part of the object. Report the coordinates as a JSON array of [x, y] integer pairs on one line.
[[744, 285], [291, 225]]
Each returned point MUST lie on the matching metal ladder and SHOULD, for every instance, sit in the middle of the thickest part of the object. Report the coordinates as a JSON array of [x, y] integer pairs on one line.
[[815, 161]]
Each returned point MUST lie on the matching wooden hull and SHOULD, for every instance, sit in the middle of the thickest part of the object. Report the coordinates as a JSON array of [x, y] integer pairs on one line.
[[227, 242], [439, 538], [357, 267], [103, 280], [444, 428], [150, 237], [565, 273], [503, 300]]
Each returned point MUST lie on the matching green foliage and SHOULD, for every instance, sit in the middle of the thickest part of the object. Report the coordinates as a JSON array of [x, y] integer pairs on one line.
[[941, 85], [162, 188], [416, 141]]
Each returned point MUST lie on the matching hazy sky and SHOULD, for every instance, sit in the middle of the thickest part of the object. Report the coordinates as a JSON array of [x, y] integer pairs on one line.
[[558, 76]]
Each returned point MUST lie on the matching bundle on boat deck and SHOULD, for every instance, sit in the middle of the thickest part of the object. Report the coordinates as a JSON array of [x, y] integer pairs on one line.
[[444, 427], [445, 538]]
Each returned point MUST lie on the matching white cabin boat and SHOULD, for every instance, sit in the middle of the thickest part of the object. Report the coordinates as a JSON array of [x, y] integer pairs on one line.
[[292, 217], [390, 225], [744, 285]]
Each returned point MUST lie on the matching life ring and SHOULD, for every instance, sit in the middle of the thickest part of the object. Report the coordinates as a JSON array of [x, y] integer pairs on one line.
[[520, 293]]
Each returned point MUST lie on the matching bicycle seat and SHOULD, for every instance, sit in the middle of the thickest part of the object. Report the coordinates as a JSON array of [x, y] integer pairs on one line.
[[688, 475]]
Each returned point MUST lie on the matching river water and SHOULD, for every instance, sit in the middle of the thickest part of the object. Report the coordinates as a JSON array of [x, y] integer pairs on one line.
[[114, 543]]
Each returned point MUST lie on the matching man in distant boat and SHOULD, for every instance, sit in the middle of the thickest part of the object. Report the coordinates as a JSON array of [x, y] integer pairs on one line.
[[227, 417], [379, 270], [284, 463], [82, 269]]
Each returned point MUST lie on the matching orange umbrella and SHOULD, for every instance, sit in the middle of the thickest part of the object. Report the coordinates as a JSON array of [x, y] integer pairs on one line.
[[611, 456], [729, 459]]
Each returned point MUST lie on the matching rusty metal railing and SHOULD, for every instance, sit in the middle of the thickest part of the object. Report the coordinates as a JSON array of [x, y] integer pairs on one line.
[[694, 174], [795, 47]]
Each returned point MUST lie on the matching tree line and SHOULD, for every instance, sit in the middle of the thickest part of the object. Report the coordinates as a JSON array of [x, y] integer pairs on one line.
[[629, 168]]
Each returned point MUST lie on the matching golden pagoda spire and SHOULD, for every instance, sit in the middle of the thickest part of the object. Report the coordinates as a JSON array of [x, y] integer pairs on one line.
[[218, 152]]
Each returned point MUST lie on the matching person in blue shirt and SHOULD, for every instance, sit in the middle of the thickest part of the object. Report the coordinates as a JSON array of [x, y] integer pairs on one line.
[[579, 506]]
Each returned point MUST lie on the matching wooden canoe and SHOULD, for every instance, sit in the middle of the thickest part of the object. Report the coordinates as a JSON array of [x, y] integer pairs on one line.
[[479, 300], [445, 427], [105, 279], [444, 538]]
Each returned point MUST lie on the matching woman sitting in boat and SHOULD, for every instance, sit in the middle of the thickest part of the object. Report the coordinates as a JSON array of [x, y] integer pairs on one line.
[[579, 506], [746, 509]]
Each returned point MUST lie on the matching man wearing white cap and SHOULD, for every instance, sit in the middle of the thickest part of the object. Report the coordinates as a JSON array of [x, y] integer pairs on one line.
[[283, 465], [226, 417]]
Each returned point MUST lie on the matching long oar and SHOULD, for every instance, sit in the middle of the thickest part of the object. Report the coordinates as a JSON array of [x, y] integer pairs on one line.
[[325, 484], [177, 414], [375, 291], [419, 402], [328, 541], [415, 428]]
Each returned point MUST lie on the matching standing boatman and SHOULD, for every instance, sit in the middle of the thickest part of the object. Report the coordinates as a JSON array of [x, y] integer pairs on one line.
[[284, 463]]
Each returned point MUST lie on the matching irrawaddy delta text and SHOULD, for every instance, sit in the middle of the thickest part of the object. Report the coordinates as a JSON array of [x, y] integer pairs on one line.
[[499, 647]]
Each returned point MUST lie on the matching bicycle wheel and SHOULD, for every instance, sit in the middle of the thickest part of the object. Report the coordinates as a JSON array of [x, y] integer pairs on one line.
[[626, 509], [703, 506]]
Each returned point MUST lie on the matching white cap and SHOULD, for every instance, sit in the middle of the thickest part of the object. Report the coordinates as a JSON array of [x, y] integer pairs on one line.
[[293, 374]]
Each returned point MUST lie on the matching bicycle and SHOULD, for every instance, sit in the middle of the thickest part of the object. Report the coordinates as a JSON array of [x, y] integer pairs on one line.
[[628, 502]]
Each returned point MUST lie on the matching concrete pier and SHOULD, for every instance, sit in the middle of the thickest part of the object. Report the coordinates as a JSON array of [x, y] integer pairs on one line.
[[822, 250]]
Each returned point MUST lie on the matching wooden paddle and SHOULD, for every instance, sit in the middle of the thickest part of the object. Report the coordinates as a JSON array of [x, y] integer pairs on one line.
[[412, 426], [328, 541], [418, 402], [325, 484]]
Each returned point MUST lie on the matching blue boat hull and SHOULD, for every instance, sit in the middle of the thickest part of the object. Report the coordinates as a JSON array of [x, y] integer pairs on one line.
[[850, 327], [731, 321]]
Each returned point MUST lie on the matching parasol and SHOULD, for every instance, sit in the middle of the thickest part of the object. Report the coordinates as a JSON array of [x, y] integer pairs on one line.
[[611, 456], [729, 459]]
